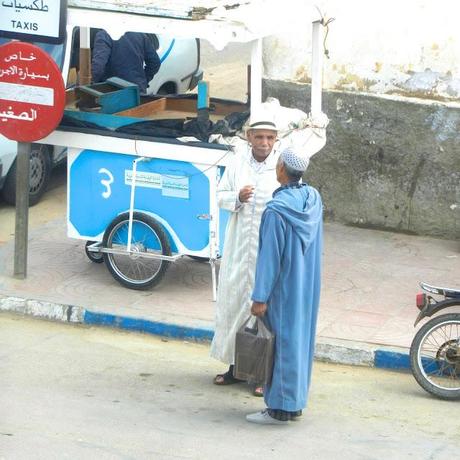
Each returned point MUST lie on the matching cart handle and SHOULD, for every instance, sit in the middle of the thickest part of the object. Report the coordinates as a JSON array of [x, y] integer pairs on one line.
[[131, 202]]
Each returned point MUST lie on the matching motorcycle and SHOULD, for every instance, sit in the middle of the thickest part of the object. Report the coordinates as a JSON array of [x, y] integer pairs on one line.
[[435, 349]]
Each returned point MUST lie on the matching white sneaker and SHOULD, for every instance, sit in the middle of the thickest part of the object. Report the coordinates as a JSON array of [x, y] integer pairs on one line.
[[264, 418]]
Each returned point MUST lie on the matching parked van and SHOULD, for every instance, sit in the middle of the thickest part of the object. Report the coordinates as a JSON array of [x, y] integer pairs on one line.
[[179, 72]]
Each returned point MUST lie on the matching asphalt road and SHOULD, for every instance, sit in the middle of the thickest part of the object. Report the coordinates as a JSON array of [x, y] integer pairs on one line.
[[79, 393]]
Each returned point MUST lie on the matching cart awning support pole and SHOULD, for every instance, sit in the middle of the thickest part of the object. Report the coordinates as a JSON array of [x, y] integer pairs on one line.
[[85, 57], [256, 74], [317, 68], [212, 262]]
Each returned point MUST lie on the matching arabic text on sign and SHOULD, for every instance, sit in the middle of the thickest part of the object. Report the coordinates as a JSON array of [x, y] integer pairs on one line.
[[22, 73], [9, 114], [20, 57], [36, 5]]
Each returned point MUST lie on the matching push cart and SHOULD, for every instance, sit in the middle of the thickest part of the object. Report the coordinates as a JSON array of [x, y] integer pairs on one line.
[[143, 202], [141, 212]]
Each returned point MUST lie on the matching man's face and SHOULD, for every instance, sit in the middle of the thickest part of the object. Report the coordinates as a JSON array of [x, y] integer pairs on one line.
[[262, 141]]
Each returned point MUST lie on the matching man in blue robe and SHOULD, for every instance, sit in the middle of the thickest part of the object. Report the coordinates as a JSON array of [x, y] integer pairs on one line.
[[287, 287]]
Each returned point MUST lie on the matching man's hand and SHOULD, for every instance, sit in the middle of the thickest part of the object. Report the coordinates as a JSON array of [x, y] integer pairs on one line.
[[258, 308], [246, 193]]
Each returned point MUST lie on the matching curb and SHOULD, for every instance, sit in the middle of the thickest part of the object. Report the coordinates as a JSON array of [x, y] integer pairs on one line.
[[327, 350]]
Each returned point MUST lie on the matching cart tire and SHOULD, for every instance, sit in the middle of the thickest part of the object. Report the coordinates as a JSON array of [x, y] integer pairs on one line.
[[202, 259], [96, 257], [136, 271]]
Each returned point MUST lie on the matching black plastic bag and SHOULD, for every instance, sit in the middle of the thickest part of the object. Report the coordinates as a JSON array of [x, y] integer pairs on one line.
[[254, 349]]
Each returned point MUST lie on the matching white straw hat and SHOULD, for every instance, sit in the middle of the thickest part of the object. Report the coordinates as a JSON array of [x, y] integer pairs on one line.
[[262, 121]]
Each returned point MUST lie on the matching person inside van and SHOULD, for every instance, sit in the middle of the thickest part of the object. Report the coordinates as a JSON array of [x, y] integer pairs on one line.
[[132, 58]]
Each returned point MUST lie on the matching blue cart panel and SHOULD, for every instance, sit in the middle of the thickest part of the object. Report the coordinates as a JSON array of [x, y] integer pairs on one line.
[[176, 193]]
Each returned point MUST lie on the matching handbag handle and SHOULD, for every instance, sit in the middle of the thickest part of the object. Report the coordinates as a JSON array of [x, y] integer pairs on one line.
[[255, 328]]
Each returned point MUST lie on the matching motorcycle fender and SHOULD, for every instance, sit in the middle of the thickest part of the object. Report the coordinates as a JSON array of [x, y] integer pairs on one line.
[[430, 309]]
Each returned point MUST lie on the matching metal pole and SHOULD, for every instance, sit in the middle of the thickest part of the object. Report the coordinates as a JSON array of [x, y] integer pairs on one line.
[[317, 67], [85, 57], [212, 262], [256, 74], [131, 203], [22, 210]]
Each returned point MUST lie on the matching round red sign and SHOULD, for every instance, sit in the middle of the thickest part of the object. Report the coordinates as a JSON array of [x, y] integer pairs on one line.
[[32, 92]]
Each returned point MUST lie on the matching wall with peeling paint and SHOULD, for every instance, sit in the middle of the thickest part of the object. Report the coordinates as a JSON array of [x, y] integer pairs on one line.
[[392, 93], [410, 48]]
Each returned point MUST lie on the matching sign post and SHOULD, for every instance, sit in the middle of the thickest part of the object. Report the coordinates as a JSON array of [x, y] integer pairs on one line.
[[22, 210], [32, 100]]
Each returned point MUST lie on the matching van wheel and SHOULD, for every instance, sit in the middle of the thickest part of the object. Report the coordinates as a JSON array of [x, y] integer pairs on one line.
[[40, 172], [167, 88]]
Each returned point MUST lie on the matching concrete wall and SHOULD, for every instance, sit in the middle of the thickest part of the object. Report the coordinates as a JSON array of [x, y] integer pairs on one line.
[[392, 92], [386, 164]]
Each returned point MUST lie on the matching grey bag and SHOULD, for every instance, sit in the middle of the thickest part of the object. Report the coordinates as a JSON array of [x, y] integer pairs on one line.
[[254, 349]]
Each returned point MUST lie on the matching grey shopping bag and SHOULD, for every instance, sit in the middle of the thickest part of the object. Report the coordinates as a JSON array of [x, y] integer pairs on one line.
[[254, 349]]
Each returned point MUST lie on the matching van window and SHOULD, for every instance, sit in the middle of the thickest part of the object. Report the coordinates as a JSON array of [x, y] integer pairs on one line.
[[55, 51]]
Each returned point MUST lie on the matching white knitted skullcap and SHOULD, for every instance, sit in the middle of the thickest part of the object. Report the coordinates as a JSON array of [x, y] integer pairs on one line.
[[294, 160]]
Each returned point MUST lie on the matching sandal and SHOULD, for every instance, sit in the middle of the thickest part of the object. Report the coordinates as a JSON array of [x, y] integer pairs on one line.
[[227, 378]]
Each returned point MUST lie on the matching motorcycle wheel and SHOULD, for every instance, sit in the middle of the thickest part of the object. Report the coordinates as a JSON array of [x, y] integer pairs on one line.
[[435, 356]]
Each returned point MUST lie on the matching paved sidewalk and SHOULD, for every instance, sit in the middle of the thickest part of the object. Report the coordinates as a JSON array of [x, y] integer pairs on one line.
[[370, 279]]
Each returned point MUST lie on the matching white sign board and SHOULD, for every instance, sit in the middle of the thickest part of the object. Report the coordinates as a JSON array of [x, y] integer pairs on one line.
[[33, 20]]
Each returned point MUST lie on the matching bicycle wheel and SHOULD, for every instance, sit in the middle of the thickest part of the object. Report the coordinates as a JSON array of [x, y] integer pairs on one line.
[[136, 270], [435, 356]]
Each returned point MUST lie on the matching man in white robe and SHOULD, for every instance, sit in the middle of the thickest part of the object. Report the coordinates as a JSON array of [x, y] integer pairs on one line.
[[246, 186]]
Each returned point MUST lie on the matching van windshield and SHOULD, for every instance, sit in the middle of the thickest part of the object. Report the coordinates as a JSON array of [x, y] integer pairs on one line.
[[55, 51]]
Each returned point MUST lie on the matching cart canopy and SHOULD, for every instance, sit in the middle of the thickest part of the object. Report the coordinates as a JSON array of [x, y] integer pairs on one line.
[[218, 21]]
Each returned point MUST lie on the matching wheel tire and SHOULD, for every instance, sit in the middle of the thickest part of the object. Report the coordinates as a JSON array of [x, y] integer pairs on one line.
[[96, 257], [136, 271], [201, 259], [40, 172], [167, 88], [416, 356]]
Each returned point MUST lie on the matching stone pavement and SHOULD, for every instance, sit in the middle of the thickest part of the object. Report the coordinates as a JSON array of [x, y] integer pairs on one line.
[[370, 279]]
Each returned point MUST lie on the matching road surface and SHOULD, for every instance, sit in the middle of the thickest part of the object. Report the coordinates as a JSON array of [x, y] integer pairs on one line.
[[83, 393]]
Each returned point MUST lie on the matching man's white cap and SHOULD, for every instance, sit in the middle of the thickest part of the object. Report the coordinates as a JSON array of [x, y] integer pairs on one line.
[[295, 160], [262, 121]]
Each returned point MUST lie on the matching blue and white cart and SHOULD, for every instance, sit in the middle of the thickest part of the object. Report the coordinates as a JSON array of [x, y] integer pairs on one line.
[[142, 204], [140, 212]]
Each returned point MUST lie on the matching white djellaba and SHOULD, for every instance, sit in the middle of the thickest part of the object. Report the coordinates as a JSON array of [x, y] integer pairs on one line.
[[237, 270]]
